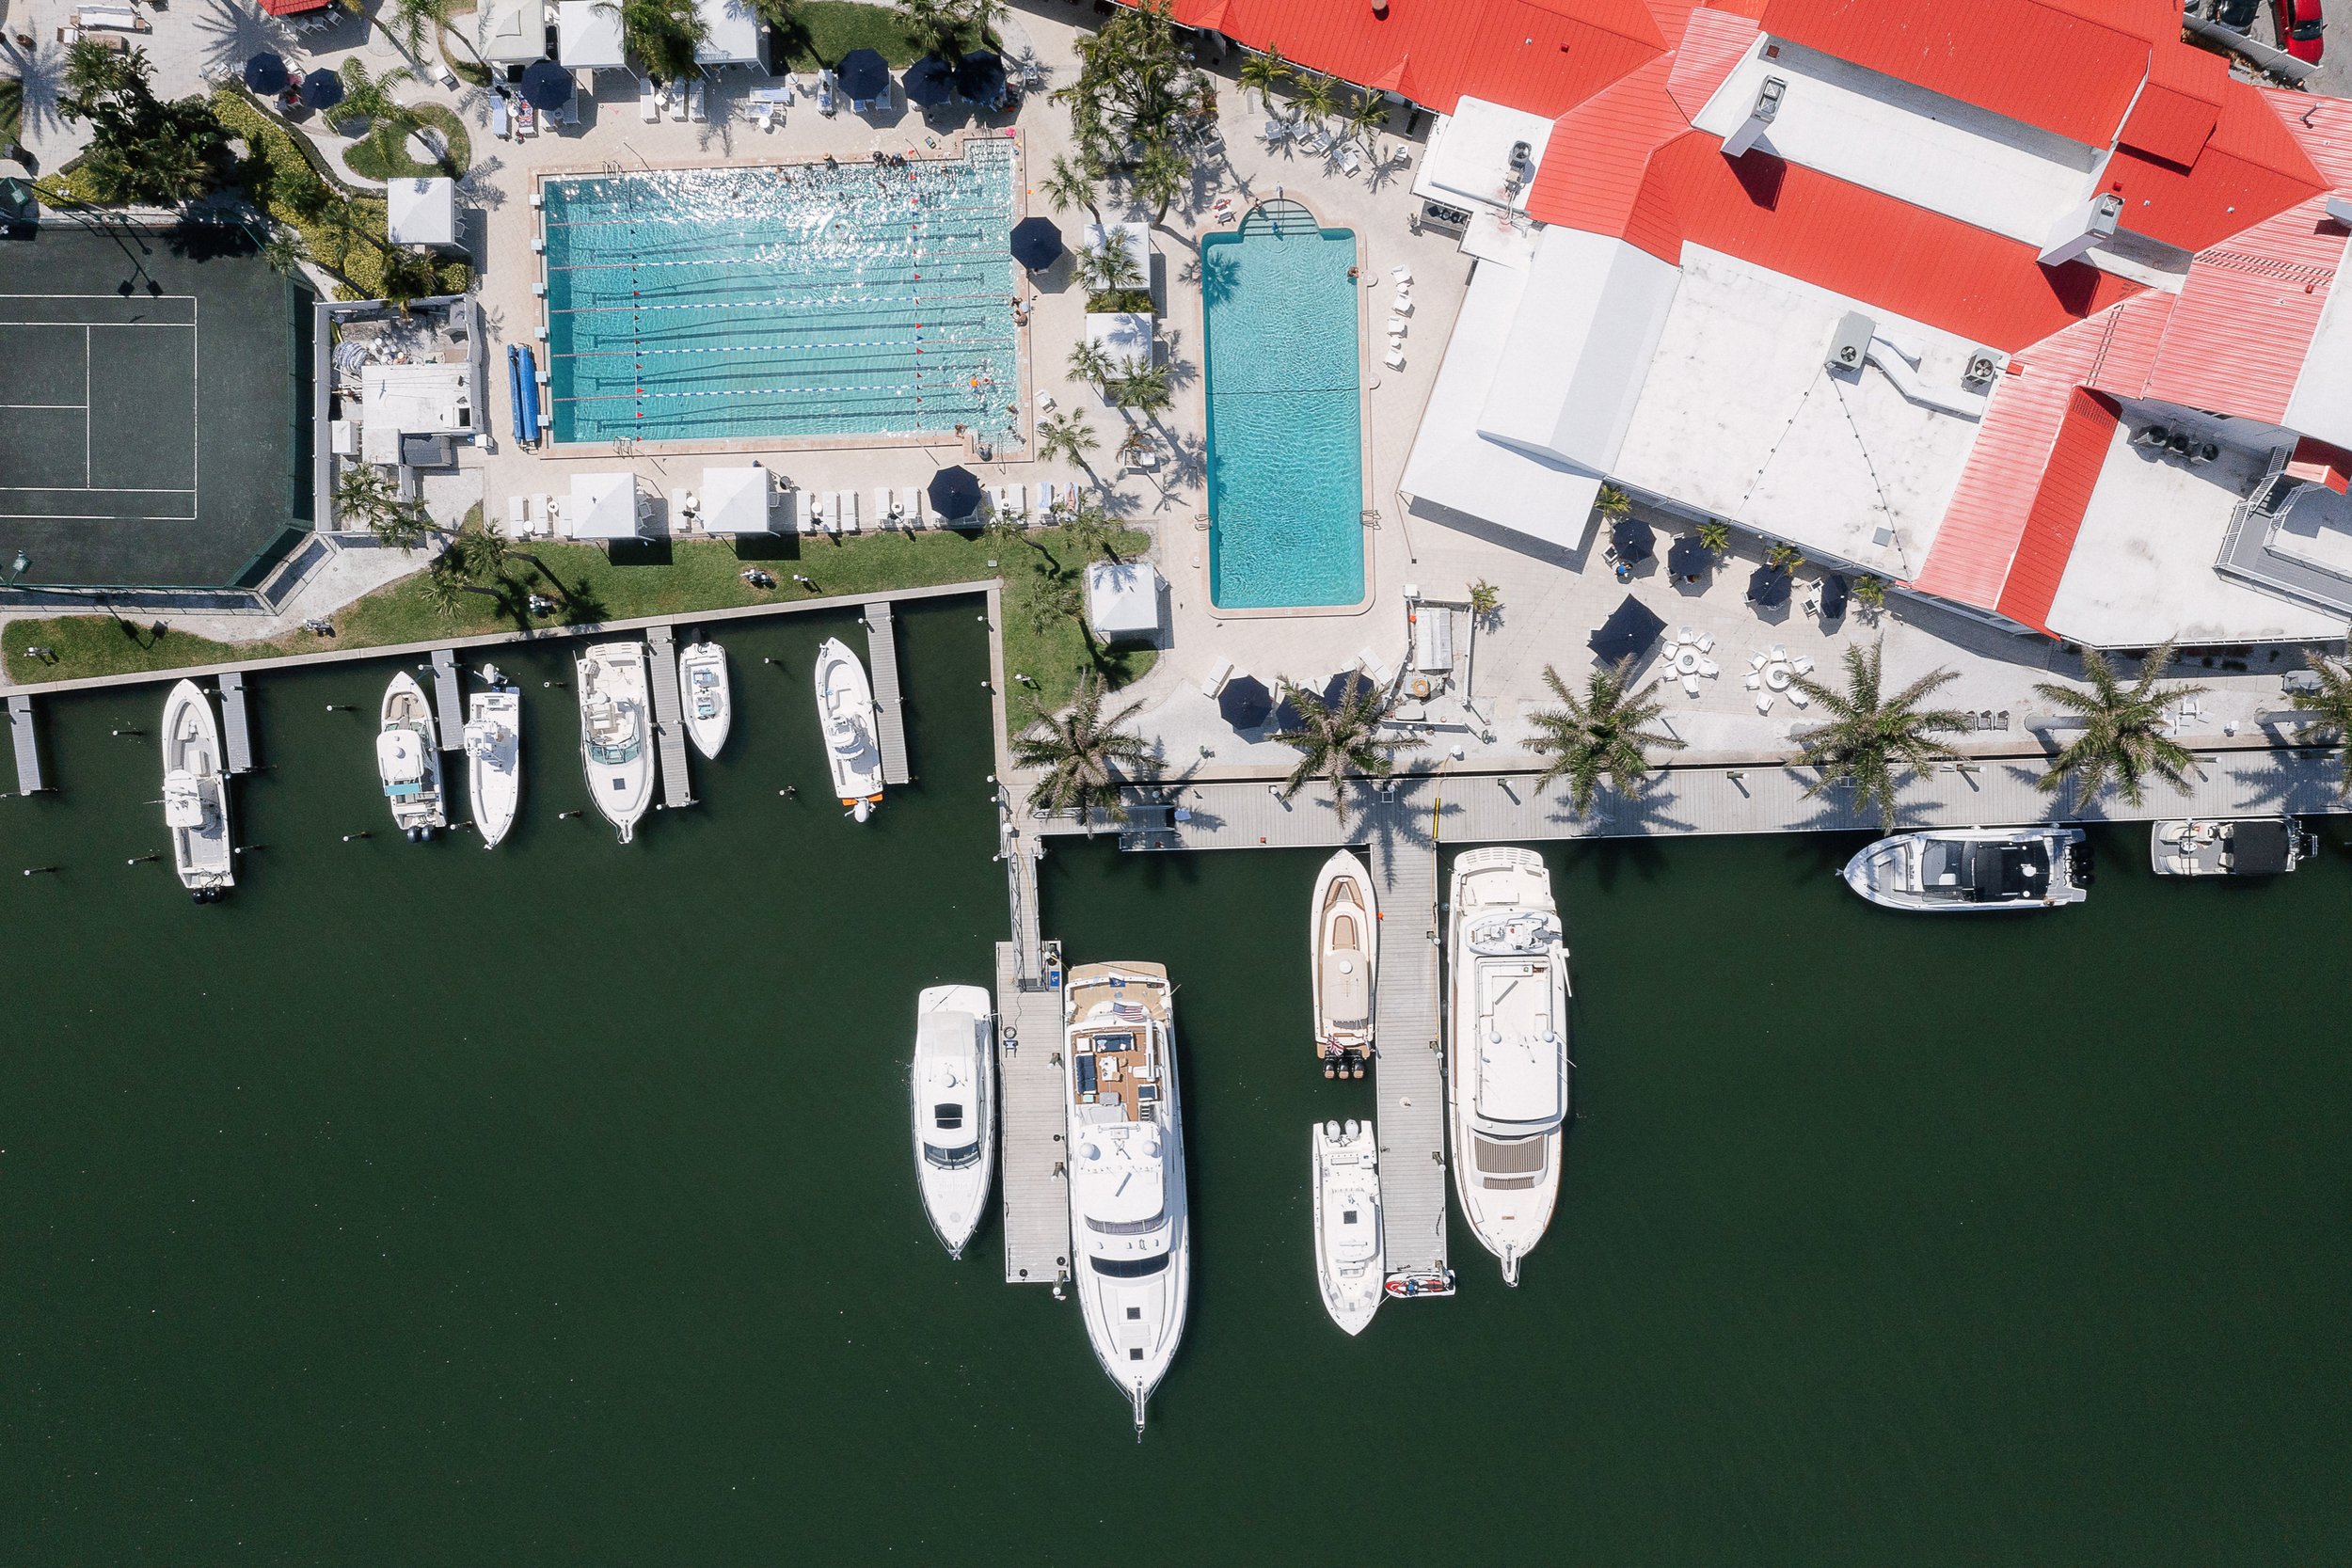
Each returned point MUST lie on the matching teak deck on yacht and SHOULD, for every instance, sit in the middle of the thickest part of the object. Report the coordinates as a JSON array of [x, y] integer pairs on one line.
[[1118, 1074]]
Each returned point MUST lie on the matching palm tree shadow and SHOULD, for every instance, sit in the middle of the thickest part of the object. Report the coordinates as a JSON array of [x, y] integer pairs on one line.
[[1219, 275], [232, 35], [41, 71], [2298, 781]]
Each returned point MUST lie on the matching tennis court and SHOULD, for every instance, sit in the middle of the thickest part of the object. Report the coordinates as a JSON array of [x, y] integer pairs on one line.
[[152, 403]]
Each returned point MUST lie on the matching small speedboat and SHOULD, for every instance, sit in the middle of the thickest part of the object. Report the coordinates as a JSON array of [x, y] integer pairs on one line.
[[407, 761], [1347, 1223], [1345, 933], [955, 1118], [2220, 846], [702, 678], [845, 704], [1974, 870], [195, 795], [616, 732], [494, 760]]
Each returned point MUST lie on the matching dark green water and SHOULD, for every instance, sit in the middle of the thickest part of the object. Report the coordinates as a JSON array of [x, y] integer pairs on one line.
[[422, 1205]]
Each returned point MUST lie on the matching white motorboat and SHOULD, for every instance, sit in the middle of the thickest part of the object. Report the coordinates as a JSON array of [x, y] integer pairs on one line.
[[1348, 1253], [195, 795], [1344, 936], [955, 1112], [1130, 1232], [1507, 1065], [702, 679], [408, 762], [845, 704], [616, 732], [1974, 870], [494, 759], [2218, 847]]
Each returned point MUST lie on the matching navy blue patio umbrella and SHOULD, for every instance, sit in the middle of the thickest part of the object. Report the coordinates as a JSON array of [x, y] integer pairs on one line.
[[1337, 688], [1768, 586], [930, 82], [321, 90], [955, 493], [980, 77], [265, 74], [1630, 632], [1036, 244], [1286, 716], [1689, 558], [547, 86], [863, 75], [1634, 539], [1245, 702], [1834, 594]]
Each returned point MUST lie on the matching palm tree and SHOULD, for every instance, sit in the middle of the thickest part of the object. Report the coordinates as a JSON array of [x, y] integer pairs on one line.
[[416, 23], [1161, 179], [1612, 503], [1336, 741], [1089, 534], [660, 33], [1262, 73], [406, 274], [2330, 706], [1108, 267], [370, 98], [1068, 435], [444, 585], [1090, 364], [1070, 186], [1486, 602], [1367, 116], [281, 249], [1869, 737], [365, 494], [1317, 98], [1086, 756], [1599, 737], [1145, 388], [1715, 537], [2123, 740], [1055, 596]]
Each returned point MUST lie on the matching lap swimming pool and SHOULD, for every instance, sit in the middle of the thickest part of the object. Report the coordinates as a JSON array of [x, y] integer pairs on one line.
[[1286, 488], [797, 303]]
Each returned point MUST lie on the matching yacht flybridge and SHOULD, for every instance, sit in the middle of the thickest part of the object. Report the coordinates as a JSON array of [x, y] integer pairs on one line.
[[195, 795], [407, 761], [1974, 870], [616, 732], [1131, 1242], [955, 1112], [1345, 947], [1507, 1062]]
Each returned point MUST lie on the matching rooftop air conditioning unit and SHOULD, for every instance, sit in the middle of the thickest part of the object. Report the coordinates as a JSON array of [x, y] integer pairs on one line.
[[1853, 340], [1521, 162], [1982, 367], [1768, 99]]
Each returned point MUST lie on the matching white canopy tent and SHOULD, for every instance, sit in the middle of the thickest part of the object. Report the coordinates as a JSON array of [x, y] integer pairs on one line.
[[511, 32], [421, 211], [588, 35], [606, 506], [1124, 339], [735, 500], [1123, 600], [1133, 238], [730, 33]]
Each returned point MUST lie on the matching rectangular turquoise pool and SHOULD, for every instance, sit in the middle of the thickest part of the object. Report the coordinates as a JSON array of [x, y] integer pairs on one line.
[[1286, 485], [787, 302]]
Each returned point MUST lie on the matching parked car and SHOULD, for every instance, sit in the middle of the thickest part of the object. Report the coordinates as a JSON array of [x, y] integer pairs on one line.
[[2236, 15], [2300, 27]]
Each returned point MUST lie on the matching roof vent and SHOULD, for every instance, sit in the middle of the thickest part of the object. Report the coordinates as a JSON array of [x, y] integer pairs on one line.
[[1752, 129], [1521, 162], [1380, 8], [1851, 342]]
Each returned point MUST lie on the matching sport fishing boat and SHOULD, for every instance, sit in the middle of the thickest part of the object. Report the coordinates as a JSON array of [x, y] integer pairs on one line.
[[1974, 870], [494, 758], [702, 678], [1347, 1222], [955, 1113], [1131, 1240], [195, 795], [2218, 847], [845, 704], [1507, 1062], [408, 762], [616, 732], [1344, 938]]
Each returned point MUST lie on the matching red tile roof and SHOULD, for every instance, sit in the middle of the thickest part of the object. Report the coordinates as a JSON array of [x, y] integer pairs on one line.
[[2085, 435], [1713, 41]]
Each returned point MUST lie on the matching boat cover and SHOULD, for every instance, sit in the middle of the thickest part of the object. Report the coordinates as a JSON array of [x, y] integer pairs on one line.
[[2260, 849], [400, 758]]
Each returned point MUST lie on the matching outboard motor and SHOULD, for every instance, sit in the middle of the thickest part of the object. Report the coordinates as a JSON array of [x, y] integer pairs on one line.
[[2079, 865]]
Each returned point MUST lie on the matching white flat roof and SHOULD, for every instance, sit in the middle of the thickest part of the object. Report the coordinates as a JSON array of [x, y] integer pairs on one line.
[[588, 35], [1580, 348], [735, 500], [1739, 418], [604, 505], [1469, 155], [420, 212], [2142, 570], [1905, 142], [1123, 598], [511, 32], [409, 399], [1124, 335], [730, 33], [1454, 467]]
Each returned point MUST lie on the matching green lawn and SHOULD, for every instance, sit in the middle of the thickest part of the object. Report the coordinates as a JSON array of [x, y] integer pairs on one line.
[[383, 153], [824, 30], [661, 580]]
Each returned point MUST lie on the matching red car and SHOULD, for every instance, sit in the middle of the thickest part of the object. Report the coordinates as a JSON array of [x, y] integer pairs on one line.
[[2300, 28]]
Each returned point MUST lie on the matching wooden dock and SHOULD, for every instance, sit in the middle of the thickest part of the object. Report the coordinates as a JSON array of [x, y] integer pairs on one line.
[[669, 718], [1409, 1068], [28, 777], [448, 699], [881, 657], [237, 723]]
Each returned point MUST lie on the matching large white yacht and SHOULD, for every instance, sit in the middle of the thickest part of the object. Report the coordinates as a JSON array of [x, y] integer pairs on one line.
[[1974, 870], [195, 795], [1344, 938], [1348, 1251], [845, 704], [1130, 1234], [955, 1111], [616, 732], [494, 758], [702, 678], [407, 761], [1507, 1062]]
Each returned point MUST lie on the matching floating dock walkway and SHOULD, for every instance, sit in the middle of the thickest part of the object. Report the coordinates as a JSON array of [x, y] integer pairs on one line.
[[1409, 1068], [448, 699], [881, 657], [1034, 1187], [669, 718], [237, 723], [28, 777]]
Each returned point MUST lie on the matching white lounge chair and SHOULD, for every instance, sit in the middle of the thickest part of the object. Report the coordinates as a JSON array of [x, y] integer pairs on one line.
[[1396, 327], [1046, 501], [1403, 275], [1799, 698], [1709, 668], [1691, 686], [693, 98], [1277, 131], [677, 99], [1707, 643], [1763, 701], [1394, 360], [519, 516], [1401, 304], [827, 99], [1802, 666], [849, 511], [911, 508], [500, 121], [1218, 674], [825, 512], [885, 509], [1348, 159], [648, 101]]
